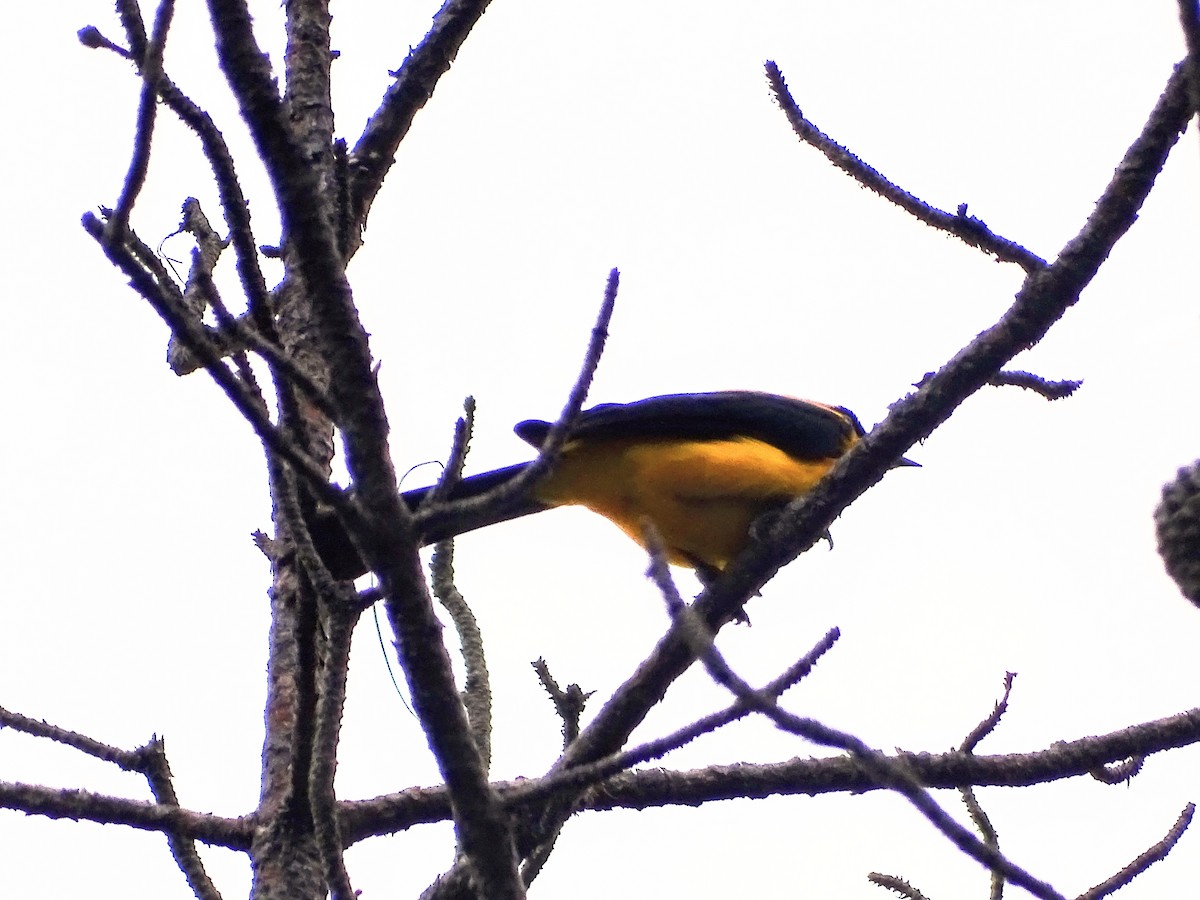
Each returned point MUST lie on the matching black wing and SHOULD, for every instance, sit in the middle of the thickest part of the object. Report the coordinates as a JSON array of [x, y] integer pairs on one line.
[[801, 428]]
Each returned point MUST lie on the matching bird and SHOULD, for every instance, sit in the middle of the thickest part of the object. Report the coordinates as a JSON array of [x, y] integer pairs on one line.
[[703, 468]]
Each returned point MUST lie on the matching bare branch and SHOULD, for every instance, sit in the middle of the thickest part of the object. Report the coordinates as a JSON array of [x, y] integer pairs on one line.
[[1119, 772], [150, 761], [338, 616], [652, 788], [1051, 390], [477, 689], [135, 28], [464, 428], [1144, 861], [988, 725], [589, 774], [183, 849], [129, 760], [568, 704], [1041, 301], [975, 810], [895, 776], [139, 164], [1046, 294], [165, 305], [79, 805], [969, 229], [897, 885], [375, 151], [384, 533], [467, 514], [90, 36], [233, 201]]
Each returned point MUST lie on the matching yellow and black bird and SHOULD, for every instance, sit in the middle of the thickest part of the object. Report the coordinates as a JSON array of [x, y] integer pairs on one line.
[[701, 467]]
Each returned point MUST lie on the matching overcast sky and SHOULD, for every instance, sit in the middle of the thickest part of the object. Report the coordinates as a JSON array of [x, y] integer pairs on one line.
[[570, 138]]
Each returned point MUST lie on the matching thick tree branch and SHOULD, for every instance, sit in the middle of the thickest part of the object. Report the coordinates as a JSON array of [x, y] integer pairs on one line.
[[648, 788], [1045, 296], [802, 776], [385, 538]]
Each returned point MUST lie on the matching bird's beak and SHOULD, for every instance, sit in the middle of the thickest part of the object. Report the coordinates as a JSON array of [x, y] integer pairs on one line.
[[905, 461]]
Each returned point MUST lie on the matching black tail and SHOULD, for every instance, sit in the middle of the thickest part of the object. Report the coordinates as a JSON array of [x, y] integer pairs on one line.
[[342, 559], [474, 486]]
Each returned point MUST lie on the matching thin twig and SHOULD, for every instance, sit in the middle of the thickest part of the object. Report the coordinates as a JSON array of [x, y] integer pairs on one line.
[[897, 885], [233, 202], [1145, 860], [897, 777], [568, 704], [165, 305], [128, 760], [991, 720], [1051, 390], [969, 229], [183, 849], [238, 332], [91, 36], [465, 513], [590, 774], [477, 687], [975, 810], [1119, 772], [201, 292], [987, 832], [426, 63], [464, 428], [139, 164]]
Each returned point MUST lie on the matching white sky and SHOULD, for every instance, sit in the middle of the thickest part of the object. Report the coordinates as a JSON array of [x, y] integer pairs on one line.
[[567, 139]]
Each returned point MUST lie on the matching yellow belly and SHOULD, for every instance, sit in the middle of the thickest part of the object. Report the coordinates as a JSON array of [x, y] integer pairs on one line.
[[702, 496]]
